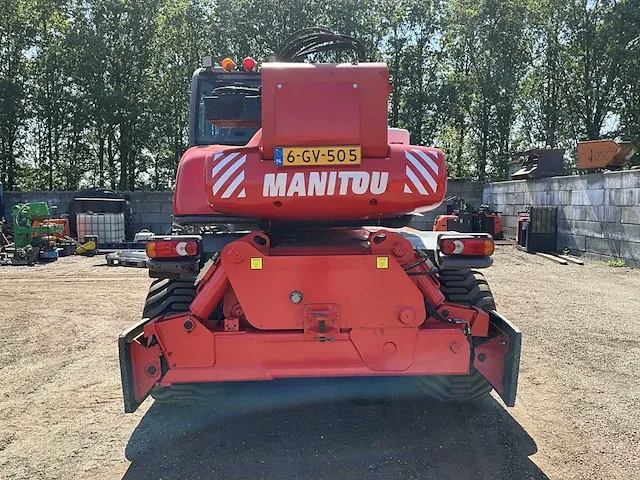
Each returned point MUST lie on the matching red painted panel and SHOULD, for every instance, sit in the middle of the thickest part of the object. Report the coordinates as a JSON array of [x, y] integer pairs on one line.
[[367, 296], [316, 121], [385, 349], [240, 182], [267, 355], [190, 196], [145, 363], [291, 96], [183, 347], [492, 364]]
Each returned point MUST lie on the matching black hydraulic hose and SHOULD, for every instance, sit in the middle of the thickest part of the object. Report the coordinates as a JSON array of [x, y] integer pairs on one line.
[[307, 41], [422, 260], [431, 310]]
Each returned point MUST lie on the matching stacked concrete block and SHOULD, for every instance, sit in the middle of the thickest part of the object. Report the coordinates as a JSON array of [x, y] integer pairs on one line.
[[598, 214], [151, 210]]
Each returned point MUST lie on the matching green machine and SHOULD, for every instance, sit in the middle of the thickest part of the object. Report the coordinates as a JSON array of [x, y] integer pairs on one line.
[[24, 215]]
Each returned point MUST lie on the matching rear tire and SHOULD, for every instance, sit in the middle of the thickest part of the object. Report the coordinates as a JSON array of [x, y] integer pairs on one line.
[[173, 296], [467, 287], [168, 295]]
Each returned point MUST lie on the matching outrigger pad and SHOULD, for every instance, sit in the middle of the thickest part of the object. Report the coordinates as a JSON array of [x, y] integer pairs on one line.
[[135, 387], [498, 359]]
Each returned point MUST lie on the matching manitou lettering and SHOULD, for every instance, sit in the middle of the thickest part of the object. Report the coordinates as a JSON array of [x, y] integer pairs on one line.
[[318, 184]]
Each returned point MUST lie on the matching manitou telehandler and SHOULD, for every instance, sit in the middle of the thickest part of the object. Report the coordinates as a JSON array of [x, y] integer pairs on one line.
[[291, 256]]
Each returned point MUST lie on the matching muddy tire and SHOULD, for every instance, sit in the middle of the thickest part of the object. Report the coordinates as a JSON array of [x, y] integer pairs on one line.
[[172, 296], [468, 287]]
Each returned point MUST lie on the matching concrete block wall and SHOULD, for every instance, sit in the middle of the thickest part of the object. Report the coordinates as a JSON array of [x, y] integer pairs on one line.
[[598, 214], [151, 210]]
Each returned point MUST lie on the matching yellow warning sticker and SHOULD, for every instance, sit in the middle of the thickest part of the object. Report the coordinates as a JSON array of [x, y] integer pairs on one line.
[[256, 263], [382, 262]]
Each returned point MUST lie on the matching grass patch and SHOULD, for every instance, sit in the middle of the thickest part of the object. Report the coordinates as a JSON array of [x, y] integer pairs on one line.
[[618, 262]]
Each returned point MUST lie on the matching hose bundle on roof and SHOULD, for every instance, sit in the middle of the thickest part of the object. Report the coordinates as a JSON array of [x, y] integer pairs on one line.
[[312, 40]]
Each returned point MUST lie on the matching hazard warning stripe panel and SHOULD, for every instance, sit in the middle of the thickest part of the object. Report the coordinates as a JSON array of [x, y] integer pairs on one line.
[[422, 171], [228, 171]]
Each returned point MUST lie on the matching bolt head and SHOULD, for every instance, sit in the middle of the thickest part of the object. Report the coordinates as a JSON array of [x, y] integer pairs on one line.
[[399, 250], [455, 347], [236, 255], [237, 311], [389, 348], [482, 357], [152, 370], [295, 297], [406, 316], [188, 324]]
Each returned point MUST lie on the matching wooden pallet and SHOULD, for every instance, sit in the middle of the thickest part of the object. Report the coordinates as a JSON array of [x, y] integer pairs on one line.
[[571, 259], [126, 263], [504, 242], [551, 257], [127, 259], [561, 259]]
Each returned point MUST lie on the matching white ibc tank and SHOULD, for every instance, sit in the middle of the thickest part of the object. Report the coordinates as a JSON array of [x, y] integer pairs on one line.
[[109, 227]]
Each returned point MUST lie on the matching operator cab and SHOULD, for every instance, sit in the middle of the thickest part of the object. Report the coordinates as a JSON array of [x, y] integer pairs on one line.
[[225, 103]]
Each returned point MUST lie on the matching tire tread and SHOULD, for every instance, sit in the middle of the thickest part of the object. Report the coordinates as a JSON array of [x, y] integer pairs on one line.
[[467, 287]]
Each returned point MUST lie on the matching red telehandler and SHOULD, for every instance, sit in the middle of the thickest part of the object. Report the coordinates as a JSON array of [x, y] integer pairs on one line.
[[291, 255]]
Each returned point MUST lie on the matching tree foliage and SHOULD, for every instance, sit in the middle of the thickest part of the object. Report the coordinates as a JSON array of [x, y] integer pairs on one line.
[[95, 92]]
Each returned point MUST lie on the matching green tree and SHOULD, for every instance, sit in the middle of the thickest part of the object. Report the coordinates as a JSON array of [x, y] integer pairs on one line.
[[628, 94], [593, 57], [183, 37], [486, 51], [543, 101], [16, 40]]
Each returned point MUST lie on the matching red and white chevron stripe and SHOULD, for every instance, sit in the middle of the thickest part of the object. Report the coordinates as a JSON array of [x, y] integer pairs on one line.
[[227, 175], [420, 169]]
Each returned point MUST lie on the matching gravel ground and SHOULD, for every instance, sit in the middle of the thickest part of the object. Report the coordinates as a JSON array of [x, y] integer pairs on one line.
[[577, 415]]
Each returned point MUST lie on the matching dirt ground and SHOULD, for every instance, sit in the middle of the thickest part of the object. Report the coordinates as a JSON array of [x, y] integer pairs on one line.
[[577, 415]]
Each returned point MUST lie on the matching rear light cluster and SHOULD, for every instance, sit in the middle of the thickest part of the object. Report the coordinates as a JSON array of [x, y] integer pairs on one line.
[[469, 246], [173, 247]]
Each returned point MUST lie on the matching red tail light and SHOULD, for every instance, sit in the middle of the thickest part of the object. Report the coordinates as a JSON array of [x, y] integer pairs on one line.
[[249, 64], [469, 246], [173, 247]]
